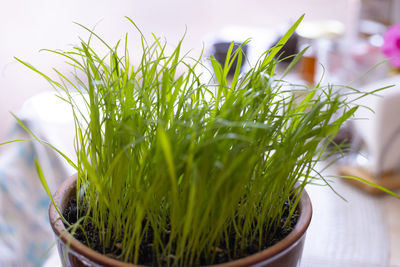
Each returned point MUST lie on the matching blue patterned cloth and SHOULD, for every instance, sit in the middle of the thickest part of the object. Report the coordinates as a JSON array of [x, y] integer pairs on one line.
[[25, 233]]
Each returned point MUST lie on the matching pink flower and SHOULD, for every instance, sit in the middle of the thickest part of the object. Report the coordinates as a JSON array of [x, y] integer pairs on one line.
[[391, 45]]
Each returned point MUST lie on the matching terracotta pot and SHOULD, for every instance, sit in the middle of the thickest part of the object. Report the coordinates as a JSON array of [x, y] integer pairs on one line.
[[286, 253]]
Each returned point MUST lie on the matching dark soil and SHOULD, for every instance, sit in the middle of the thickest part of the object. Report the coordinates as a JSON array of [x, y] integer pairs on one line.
[[146, 256]]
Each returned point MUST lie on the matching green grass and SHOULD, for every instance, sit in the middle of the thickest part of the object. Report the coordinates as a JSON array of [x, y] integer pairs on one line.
[[166, 157]]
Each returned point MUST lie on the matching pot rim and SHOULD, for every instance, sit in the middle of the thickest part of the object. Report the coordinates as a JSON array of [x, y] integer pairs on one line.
[[65, 191]]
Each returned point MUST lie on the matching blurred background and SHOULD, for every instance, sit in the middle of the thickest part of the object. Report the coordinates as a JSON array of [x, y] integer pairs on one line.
[[28, 26], [346, 38]]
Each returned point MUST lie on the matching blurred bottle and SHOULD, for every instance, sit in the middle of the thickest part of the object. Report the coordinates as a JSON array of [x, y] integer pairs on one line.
[[307, 66]]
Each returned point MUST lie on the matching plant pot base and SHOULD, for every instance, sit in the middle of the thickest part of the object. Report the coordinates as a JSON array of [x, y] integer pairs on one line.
[[285, 253]]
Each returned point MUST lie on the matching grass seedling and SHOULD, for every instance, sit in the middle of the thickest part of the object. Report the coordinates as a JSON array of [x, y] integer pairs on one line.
[[179, 169]]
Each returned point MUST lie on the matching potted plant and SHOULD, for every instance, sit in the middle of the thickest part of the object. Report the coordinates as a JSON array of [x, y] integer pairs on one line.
[[172, 171]]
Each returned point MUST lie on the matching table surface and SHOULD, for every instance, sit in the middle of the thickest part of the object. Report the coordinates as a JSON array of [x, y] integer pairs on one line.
[[364, 230]]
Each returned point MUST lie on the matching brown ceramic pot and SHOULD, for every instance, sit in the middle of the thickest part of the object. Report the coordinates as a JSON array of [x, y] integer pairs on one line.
[[286, 253]]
